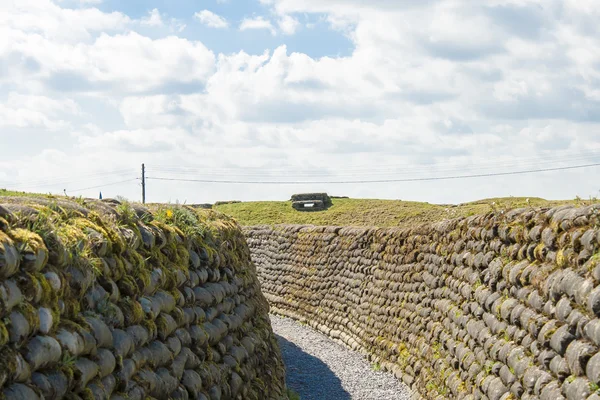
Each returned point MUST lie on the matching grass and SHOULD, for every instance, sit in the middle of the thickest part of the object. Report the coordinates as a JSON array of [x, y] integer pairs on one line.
[[383, 213], [359, 212], [292, 394], [4, 192]]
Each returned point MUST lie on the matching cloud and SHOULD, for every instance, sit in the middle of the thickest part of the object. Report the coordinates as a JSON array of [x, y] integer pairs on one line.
[[153, 19], [60, 25], [288, 25], [428, 88], [211, 19], [35, 111], [122, 62], [257, 23], [81, 2]]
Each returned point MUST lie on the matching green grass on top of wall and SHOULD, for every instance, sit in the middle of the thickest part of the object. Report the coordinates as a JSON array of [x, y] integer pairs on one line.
[[363, 212], [4, 192], [383, 213]]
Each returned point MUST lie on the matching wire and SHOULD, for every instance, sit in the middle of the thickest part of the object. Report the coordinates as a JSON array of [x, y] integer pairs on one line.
[[67, 181], [374, 169], [439, 178], [107, 184], [368, 173]]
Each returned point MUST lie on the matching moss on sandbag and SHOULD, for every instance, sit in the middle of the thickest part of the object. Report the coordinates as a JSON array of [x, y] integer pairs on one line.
[[98, 301], [501, 305]]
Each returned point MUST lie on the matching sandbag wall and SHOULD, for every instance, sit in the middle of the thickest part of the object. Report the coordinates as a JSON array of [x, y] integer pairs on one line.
[[103, 300], [498, 306]]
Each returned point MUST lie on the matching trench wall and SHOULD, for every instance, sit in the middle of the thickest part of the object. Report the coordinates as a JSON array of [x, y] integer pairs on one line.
[[497, 306], [103, 300]]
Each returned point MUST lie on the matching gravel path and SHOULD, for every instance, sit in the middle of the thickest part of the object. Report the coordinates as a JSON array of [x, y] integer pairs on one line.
[[320, 369]]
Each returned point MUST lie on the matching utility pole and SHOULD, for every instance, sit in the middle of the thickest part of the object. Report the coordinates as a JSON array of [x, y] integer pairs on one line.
[[143, 184]]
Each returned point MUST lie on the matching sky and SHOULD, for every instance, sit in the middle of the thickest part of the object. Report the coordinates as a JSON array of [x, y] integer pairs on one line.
[[217, 97]]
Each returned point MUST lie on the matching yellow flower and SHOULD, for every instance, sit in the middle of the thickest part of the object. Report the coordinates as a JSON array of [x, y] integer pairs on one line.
[[169, 214]]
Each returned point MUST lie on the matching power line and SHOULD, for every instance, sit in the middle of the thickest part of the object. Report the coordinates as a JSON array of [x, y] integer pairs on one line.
[[66, 181], [373, 170], [550, 157], [104, 185], [368, 173], [439, 178]]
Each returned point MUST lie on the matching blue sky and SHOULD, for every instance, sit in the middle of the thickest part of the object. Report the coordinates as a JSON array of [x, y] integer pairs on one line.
[[300, 91], [317, 41]]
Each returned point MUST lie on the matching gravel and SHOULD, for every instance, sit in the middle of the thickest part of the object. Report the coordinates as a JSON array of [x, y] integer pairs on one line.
[[320, 369]]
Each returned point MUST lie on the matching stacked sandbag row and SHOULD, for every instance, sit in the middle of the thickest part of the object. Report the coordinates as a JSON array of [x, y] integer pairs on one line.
[[105, 300], [497, 306]]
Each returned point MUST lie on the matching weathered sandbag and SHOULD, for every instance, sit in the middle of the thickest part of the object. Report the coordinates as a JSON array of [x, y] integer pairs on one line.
[[180, 393], [9, 257], [149, 381], [20, 391], [106, 362], [109, 383], [157, 279], [194, 260], [59, 383], [174, 345], [215, 392], [46, 320], [160, 354], [22, 371], [101, 332], [33, 252], [127, 370], [179, 363], [203, 297], [147, 236], [165, 325], [10, 296], [54, 280], [139, 335], [71, 341], [42, 351], [150, 307], [199, 335], [216, 290], [169, 384], [86, 371], [184, 337], [202, 275], [136, 392], [44, 385], [20, 327], [122, 343], [97, 390], [102, 305], [191, 381], [236, 383]]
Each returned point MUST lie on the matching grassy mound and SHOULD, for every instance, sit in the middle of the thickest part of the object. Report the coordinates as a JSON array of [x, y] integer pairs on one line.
[[381, 213]]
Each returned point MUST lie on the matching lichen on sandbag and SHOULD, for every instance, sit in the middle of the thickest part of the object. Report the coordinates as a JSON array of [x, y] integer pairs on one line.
[[110, 300], [499, 306]]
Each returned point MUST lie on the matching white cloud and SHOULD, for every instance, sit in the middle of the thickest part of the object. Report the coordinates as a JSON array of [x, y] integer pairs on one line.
[[34, 111], [123, 62], [59, 24], [428, 88], [43, 104], [211, 19], [288, 25], [84, 2], [257, 23], [153, 19]]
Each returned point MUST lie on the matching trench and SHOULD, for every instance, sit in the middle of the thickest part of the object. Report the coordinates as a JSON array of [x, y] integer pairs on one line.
[[317, 368]]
